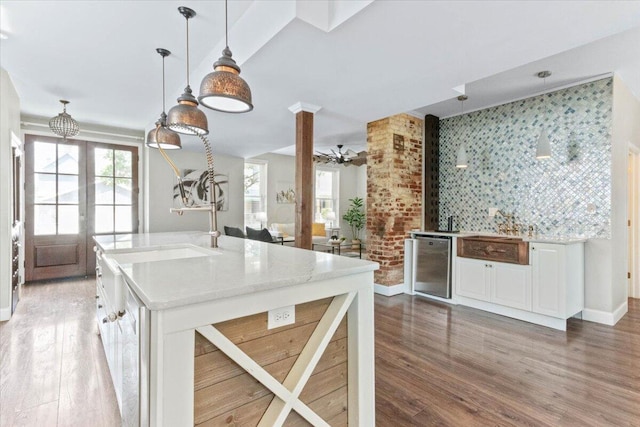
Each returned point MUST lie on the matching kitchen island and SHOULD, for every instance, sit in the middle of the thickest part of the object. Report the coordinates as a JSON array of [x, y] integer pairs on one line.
[[205, 352]]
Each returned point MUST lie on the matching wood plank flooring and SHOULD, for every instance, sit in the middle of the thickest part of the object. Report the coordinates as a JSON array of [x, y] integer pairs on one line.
[[436, 365], [53, 371], [441, 365]]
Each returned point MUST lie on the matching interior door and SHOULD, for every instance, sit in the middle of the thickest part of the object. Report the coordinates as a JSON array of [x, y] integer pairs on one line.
[[55, 225]]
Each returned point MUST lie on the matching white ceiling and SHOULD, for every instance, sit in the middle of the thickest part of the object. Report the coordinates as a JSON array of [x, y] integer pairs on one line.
[[358, 60]]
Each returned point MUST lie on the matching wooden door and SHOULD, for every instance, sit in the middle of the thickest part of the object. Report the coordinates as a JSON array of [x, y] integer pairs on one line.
[[112, 191], [55, 227]]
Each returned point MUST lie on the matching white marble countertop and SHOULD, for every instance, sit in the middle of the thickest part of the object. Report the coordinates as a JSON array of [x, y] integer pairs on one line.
[[237, 267], [560, 240]]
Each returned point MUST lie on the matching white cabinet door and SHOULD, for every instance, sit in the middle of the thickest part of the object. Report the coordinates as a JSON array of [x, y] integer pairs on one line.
[[547, 262], [511, 285], [473, 278]]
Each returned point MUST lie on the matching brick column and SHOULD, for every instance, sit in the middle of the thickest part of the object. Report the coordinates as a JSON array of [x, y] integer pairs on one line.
[[394, 191]]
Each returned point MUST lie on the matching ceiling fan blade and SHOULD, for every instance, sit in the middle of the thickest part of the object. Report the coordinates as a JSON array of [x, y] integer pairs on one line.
[[350, 153], [358, 161]]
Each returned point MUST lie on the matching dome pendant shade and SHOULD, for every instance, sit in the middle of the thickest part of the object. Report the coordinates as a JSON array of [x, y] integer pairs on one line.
[[186, 118], [223, 89], [461, 160], [63, 124], [161, 137], [543, 150]]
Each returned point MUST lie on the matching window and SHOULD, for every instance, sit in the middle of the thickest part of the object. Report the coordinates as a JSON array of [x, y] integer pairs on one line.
[[327, 196], [56, 189], [113, 186], [255, 194]]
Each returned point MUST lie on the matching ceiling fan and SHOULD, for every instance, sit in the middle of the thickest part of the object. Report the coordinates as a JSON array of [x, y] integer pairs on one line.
[[349, 157]]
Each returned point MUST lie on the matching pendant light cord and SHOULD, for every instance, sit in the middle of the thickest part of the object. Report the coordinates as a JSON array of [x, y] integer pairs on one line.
[[226, 25], [187, 51], [163, 94]]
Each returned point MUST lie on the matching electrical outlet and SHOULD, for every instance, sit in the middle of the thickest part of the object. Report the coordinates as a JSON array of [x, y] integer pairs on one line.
[[281, 316], [493, 211]]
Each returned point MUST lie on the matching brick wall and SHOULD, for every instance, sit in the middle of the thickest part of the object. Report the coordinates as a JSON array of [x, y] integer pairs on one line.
[[394, 191]]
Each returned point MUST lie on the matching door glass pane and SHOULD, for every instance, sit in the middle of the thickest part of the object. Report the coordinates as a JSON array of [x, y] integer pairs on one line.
[[68, 189], [68, 219], [123, 191], [44, 221], [104, 219], [104, 161], [104, 190], [44, 188], [44, 157], [68, 159], [123, 219], [123, 163]]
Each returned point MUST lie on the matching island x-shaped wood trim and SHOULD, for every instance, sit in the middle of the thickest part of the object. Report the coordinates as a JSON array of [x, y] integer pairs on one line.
[[289, 390]]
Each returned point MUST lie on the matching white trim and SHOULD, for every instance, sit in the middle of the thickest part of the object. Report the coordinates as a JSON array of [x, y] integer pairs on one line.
[[31, 124], [303, 106], [5, 313], [389, 291], [605, 317], [515, 313], [619, 312], [289, 390]]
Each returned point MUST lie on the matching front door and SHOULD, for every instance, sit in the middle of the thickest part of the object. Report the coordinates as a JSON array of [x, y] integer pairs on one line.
[[74, 190], [55, 227]]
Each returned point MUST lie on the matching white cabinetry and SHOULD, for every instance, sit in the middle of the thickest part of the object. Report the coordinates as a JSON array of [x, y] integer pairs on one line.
[[546, 292], [108, 324], [473, 279], [558, 279], [496, 282]]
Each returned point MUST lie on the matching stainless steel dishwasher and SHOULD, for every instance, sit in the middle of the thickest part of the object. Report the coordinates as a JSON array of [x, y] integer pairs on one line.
[[433, 265]]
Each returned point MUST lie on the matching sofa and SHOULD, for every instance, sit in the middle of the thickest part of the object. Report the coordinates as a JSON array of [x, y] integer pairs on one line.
[[318, 233]]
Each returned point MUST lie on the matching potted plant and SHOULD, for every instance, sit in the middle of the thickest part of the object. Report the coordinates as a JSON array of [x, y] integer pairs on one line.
[[355, 217]]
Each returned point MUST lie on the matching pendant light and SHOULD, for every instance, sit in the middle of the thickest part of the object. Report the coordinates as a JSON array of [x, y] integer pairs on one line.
[[63, 124], [223, 89], [160, 136], [461, 159], [543, 148], [185, 117]]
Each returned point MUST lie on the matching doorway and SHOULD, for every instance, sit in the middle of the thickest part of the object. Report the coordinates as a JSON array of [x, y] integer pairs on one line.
[[633, 221], [75, 189]]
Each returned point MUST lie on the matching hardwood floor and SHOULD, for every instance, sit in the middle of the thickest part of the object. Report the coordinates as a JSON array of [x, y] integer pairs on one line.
[[440, 365], [52, 365], [436, 365]]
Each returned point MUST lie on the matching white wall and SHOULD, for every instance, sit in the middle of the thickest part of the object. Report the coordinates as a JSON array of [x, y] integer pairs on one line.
[[9, 123], [281, 168], [159, 182], [625, 130]]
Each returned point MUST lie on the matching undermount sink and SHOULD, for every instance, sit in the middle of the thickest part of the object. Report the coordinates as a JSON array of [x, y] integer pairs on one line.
[[162, 253], [494, 248]]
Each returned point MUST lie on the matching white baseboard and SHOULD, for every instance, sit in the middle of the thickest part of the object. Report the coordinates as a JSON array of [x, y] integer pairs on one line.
[[605, 317], [620, 311], [389, 291], [5, 314]]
